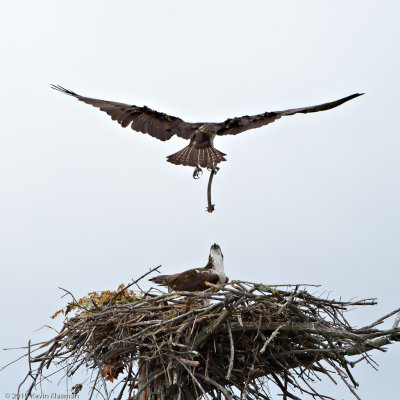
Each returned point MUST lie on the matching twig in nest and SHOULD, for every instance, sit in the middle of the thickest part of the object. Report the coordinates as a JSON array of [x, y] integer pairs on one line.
[[150, 380], [232, 355], [268, 341], [396, 321], [75, 302], [105, 387], [191, 374], [133, 283], [343, 377], [380, 320], [210, 206], [215, 384], [30, 368]]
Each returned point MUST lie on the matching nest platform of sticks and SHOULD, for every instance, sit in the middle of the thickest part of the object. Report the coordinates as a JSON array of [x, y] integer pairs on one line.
[[232, 341]]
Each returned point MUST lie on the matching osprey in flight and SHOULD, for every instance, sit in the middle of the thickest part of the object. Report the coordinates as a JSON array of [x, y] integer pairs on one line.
[[194, 280], [201, 151]]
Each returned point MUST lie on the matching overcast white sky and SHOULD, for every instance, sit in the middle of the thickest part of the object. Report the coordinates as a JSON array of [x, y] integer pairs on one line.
[[87, 205]]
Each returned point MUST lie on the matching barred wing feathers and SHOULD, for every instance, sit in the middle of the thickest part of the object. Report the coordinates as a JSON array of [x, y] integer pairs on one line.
[[141, 119]]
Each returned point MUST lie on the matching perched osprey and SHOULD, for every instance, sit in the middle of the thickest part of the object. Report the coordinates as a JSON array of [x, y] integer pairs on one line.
[[201, 151], [194, 280]]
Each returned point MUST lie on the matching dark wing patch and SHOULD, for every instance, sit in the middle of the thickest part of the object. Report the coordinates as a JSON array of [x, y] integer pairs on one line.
[[142, 119], [192, 280], [233, 126]]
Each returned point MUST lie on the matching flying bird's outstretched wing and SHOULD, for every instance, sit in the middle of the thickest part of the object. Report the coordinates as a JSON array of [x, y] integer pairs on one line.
[[142, 119], [233, 126]]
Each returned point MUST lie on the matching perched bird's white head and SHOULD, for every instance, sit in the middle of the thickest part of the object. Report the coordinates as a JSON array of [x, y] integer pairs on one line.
[[217, 257]]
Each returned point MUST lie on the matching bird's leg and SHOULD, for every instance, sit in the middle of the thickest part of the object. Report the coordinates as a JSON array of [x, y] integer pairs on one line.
[[197, 171], [214, 169]]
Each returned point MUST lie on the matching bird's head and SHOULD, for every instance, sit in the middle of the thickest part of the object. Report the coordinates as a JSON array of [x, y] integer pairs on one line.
[[216, 256], [211, 129]]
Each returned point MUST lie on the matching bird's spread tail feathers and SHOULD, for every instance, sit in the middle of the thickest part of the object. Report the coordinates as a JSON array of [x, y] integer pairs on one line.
[[206, 157]]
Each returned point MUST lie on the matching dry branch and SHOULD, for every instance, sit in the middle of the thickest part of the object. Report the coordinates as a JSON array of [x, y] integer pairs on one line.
[[227, 340]]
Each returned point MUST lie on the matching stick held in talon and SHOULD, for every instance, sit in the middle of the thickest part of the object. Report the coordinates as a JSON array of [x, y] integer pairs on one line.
[[210, 206]]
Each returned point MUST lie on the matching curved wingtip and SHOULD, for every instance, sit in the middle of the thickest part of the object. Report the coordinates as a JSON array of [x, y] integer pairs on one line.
[[62, 90], [353, 96]]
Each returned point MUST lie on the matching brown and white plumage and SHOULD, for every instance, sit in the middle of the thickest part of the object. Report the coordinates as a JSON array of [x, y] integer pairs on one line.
[[194, 280], [201, 151]]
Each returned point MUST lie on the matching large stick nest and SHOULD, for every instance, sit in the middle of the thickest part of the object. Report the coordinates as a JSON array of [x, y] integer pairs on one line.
[[231, 340]]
